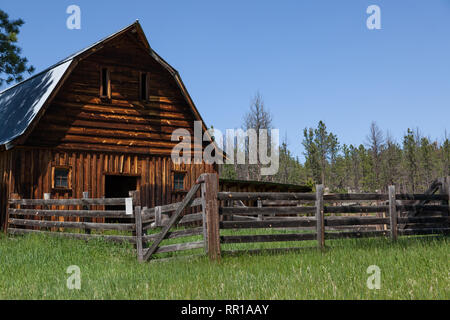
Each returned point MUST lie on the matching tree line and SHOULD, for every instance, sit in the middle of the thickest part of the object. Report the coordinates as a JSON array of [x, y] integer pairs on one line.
[[411, 164]]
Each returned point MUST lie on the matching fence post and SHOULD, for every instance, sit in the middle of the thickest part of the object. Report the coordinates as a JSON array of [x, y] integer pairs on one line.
[[320, 220], [85, 207], [12, 196], [47, 196], [260, 216], [204, 222], [393, 213], [138, 222], [210, 205], [136, 202], [445, 190], [136, 197], [158, 216]]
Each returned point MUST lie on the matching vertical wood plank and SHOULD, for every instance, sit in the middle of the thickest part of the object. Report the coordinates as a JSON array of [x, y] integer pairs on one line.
[[393, 213], [320, 220]]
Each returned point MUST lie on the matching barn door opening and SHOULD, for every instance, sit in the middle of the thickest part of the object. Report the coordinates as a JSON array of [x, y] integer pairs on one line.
[[119, 187]]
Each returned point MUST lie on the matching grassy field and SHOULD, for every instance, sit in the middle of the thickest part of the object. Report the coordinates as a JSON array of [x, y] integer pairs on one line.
[[34, 267]]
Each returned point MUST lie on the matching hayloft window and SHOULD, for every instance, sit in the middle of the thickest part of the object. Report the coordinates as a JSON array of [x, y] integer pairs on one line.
[[61, 178], [178, 181], [105, 85], [144, 86]]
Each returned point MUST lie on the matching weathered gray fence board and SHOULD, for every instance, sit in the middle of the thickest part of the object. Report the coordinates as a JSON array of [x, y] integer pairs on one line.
[[80, 236], [329, 197], [178, 247], [268, 238], [175, 234], [149, 213], [243, 196], [355, 209], [72, 225], [354, 221], [68, 202], [356, 234], [265, 210], [424, 231], [70, 213], [300, 222]]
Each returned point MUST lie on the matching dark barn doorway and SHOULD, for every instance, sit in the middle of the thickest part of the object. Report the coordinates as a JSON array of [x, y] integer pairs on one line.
[[119, 187]]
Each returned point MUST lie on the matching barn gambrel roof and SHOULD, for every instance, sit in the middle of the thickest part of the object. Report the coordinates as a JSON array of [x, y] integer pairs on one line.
[[22, 105]]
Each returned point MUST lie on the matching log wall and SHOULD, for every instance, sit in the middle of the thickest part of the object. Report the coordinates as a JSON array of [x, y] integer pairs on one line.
[[79, 119], [32, 174]]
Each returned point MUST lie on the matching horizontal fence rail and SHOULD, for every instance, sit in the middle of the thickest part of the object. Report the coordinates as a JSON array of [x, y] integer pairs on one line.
[[68, 202], [69, 213], [79, 236], [246, 196]]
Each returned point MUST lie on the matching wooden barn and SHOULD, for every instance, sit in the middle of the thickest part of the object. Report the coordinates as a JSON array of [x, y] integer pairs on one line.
[[99, 121]]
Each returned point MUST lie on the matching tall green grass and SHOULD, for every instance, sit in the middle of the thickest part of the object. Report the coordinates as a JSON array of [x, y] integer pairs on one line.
[[34, 267]]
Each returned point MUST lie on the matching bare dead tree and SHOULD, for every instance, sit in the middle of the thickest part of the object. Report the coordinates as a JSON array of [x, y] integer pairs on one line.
[[375, 142], [257, 118]]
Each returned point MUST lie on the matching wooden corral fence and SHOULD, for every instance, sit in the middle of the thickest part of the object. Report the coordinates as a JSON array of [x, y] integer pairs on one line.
[[70, 217], [315, 216], [298, 216]]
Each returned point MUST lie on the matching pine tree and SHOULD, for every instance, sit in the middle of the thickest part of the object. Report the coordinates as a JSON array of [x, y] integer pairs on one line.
[[12, 64], [410, 160]]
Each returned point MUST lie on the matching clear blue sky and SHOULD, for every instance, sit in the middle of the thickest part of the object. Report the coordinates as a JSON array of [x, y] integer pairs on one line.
[[311, 60]]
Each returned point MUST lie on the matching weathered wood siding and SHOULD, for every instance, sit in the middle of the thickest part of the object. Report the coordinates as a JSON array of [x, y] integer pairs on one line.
[[78, 119]]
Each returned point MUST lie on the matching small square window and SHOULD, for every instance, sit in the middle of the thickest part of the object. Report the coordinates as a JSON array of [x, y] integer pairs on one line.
[[178, 181], [61, 178]]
